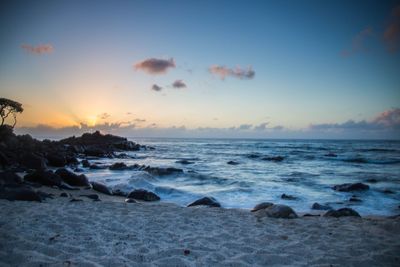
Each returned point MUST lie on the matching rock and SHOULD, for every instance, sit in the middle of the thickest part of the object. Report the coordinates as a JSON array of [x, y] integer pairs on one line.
[[141, 194], [288, 197], [32, 161], [253, 156], [22, 193], [261, 206], [102, 188], [372, 181], [91, 196], [231, 162], [311, 215], [63, 194], [85, 163], [44, 177], [354, 199], [280, 211], [356, 160], [56, 159], [341, 213], [72, 178], [162, 171], [184, 162], [44, 195], [330, 154], [75, 200], [120, 193], [317, 206], [119, 166], [10, 178], [130, 200], [205, 201], [97, 167], [388, 191], [66, 186], [351, 187], [275, 159]]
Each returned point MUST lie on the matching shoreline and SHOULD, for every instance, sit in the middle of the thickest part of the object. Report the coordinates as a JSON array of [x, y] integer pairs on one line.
[[110, 232]]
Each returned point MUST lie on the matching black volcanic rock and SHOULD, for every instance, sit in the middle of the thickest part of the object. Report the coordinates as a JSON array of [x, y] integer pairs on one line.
[[231, 162], [288, 197], [56, 159], [205, 201], [118, 166], [162, 171], [23, 193], [348, 187], [317, 206], [9, 178], [33, 161], [44, 177], [141, 194], [280, 211]]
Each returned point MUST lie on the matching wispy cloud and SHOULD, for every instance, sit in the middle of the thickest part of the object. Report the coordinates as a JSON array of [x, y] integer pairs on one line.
[[178, 84], [245, 127], [155, 65], [104, 116], [156, 88], [358, 43], [40, 49], [222, 72], [391, 36]]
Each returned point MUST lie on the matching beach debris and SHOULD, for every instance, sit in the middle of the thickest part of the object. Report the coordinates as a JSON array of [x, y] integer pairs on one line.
[[141, 194], [288, 197], [342, 213], [261, 206], [72, 178], [350, 187], [102, 188], [317, 206], [205, 201]]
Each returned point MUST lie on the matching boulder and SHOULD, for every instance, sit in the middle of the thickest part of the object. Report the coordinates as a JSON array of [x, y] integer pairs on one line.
[[118, 166], [10, 178], [141, 194], [261, 206], [102, 188], [288, 197], [205, 201], [22, 193], [317, 206], [348, 187], [72, 178], [56, 159], [120, 193], [342, 213], [280, 211], [33, 161], [44, 177], [130, 200]]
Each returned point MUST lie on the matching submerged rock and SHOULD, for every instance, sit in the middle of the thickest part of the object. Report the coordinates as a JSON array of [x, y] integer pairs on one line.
[[184, 162], [119, 166], [343, 212], [317, 206], [102, 188], [351, 187], [288, 197], [261, 206], [276, 158], [280, 211], [72, 178], [354, 199], [162, 171], [205, 201], [142, 194], [231, 162]]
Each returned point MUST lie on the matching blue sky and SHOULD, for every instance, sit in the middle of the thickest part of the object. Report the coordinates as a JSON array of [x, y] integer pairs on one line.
[[315, 62]]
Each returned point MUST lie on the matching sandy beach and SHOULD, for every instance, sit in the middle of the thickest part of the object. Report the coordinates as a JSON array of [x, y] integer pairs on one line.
[[109, 232]]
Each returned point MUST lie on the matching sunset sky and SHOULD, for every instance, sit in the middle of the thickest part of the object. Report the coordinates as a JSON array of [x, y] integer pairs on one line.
[[301, 69]]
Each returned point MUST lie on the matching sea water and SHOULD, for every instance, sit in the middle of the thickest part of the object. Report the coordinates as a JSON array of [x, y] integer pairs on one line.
[[308, 171]]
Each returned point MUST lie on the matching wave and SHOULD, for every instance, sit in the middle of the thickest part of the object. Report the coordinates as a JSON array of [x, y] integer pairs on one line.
[[361, 160]]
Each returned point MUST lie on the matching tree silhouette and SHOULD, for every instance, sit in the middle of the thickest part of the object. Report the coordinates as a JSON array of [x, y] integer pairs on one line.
[[7, 107]]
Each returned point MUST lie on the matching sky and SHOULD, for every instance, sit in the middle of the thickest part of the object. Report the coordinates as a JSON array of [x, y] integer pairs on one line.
[[251, 69]]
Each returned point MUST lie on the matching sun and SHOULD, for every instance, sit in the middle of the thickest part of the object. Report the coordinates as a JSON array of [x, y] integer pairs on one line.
[[91, 120]]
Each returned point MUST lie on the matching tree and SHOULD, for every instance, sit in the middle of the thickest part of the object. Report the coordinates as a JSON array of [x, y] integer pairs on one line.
[[7, 107]]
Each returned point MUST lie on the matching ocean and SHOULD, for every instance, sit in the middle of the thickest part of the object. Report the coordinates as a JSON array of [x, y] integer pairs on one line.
[[263, 170]]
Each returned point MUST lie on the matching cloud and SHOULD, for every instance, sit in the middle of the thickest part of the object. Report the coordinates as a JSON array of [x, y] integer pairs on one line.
[[358, 43], [139, 120], [156, 88], [245, 127], [387, 120], [104, 116], [391, 35], [155, 65], [178, 84], [40, 49], [261, 127], [237, 72]]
